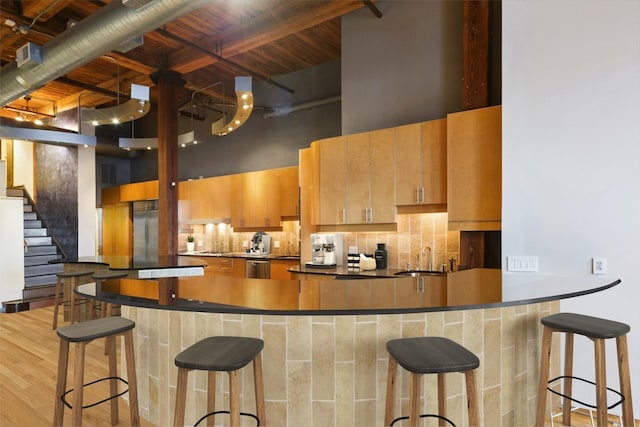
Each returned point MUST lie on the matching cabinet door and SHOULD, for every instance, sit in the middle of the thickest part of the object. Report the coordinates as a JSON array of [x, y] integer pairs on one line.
[[200, 196], [357, 179], [382, 207], [408, 161], [116, 229], [267, 198], [278, 269], [434, 161], [219, 190], [333, 180], [289, 195], [474, 169], [237, 211]]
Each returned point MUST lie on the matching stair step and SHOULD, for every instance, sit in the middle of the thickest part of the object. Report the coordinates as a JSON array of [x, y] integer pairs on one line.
[[44, 291], [30, 216], [39, 259], [38, 241], [35, 232], [40, 280], [43, 269], [15, 192], [27, 208], [40, 250], [32, 223]]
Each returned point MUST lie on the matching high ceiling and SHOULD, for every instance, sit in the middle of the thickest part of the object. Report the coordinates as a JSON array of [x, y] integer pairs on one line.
[[206, 47]]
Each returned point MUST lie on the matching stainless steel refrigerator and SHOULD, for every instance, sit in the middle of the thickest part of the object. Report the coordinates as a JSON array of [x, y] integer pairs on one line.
[[145, 230]]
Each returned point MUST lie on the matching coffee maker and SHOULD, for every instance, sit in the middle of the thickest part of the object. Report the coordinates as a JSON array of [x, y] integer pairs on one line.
[[326, 250], [260, 243]]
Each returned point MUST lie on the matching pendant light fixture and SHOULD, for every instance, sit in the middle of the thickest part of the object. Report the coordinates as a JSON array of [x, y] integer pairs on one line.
[[244, 107]]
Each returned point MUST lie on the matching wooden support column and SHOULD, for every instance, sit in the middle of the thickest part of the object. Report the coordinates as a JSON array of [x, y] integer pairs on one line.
[[169, 84], [475, 50]]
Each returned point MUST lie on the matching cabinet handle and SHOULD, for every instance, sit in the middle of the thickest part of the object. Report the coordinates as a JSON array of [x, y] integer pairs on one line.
[[370, 215], [421, 194], [417, 194], [344, 216]]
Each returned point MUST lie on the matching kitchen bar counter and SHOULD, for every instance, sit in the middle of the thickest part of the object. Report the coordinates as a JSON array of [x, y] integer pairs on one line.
[[325, 360]]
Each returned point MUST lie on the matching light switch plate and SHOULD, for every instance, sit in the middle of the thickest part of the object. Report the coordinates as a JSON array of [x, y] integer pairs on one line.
[[522, 263], [276, 244], [598, 265]]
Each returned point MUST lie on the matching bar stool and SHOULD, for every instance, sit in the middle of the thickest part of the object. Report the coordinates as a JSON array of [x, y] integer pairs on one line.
[[81, 334], [106, 309], [430, 355], [597, 330], [73, 277], [222, 353]]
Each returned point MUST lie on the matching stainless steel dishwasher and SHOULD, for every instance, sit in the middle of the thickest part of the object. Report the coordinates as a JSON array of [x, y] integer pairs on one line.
[[256, 269]]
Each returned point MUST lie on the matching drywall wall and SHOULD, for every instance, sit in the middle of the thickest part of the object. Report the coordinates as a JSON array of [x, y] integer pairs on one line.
[[11, 249], [87, 219], [571, 150], [403, 68]]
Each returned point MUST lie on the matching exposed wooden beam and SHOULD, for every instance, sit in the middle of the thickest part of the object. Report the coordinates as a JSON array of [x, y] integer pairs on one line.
[[259, 33], [475, 48]]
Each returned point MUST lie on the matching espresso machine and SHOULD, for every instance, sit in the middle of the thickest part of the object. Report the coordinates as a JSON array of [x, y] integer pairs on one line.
[[260, 243], [326, 250]]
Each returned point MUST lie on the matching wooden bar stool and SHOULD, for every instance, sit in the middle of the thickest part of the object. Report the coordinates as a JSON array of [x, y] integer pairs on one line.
[[73, 277], [430, 355], [81, 334], [221, 353], [597, 330], [106, 309]]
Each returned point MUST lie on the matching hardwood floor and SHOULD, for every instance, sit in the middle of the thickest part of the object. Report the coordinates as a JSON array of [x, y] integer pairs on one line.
[[28, 369]]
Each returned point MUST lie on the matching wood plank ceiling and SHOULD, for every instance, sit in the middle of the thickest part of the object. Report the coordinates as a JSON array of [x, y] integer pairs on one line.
[[224, 39]]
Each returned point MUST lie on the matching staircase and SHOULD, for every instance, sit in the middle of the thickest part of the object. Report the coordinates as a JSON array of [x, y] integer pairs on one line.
[[39, 274]]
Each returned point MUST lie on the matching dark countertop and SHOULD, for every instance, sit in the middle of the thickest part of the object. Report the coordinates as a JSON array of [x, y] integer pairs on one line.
[[344, 271], [244, 255], [324, 296], [118, 262]]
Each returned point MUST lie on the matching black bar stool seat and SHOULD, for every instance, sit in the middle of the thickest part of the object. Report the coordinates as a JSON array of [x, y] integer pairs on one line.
[[81, 334], [598, 330], [221, 353], [430, 355]]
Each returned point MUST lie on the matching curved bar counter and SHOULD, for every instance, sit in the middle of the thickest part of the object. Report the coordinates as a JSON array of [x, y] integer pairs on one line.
[[325, 360]]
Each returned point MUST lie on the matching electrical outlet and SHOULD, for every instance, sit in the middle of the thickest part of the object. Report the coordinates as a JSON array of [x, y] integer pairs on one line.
[[245, 243], [276, 244], [598, 265], [522, 263]]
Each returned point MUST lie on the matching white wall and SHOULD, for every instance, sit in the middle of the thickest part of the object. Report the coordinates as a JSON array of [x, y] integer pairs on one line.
[[87, 216], [571, 154], [11, 248], [23, 165]]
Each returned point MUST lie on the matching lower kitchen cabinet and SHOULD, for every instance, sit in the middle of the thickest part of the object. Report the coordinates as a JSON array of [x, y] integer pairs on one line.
[[279, 268]]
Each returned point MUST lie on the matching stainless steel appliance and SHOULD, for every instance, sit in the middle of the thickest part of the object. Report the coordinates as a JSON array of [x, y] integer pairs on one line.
[[326, 250], [260, 243], [145, 230], [256, 269]]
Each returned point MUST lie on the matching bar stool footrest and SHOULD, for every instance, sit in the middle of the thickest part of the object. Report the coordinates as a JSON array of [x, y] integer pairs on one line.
[[424, 416], [557, 393], [68, 405], [242, 414]]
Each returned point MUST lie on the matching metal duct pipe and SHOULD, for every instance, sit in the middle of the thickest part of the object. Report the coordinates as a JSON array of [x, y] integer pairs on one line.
[[283, 111], [92, 37]]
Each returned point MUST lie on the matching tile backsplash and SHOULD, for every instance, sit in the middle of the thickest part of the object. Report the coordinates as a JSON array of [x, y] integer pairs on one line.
[[415, 233]]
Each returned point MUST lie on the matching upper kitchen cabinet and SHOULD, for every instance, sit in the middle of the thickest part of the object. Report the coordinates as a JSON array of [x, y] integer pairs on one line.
[[474, 169], [255, 200], [147, 190], [421, 167], [205, 199], [370, 184], [289, 194], [332, 164]]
